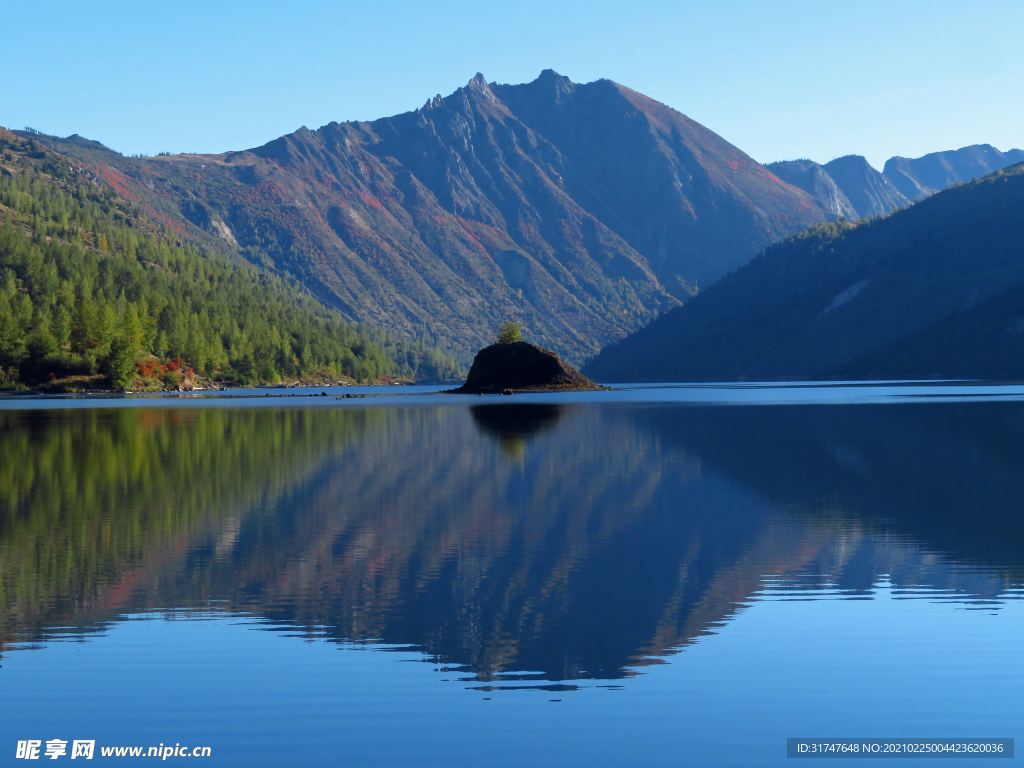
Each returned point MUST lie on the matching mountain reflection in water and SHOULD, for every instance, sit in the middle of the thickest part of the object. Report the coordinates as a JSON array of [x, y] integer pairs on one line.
[[511, 542]]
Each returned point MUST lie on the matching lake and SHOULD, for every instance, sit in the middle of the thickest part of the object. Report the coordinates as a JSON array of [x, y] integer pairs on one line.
[[661, 575]]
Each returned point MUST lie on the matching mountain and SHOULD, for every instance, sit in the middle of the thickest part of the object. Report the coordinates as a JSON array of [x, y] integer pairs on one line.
[[94, 293], [815, 181], [869, 191], [917, 178], [847, 186], [579, 211], [934, 290]]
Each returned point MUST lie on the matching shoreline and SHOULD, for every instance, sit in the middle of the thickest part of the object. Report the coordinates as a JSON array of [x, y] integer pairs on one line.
[[198, 386], [220, 393]]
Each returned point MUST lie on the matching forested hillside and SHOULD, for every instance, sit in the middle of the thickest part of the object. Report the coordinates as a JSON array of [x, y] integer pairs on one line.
[[92, 291], [934, 290]]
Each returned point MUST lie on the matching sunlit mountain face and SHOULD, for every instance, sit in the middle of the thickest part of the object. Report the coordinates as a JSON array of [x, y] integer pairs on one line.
[[508, 542], [581, 210]]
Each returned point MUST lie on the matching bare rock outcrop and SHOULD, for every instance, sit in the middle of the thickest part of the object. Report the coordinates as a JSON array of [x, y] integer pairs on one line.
[[522, 367]]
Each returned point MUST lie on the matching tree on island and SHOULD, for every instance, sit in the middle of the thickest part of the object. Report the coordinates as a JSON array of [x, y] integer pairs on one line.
[[508, 333]]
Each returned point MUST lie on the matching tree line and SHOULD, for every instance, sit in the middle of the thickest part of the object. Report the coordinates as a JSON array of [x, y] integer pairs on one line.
[[89, 286]]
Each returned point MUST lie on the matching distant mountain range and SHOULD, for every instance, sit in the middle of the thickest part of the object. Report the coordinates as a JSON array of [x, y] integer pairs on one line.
[[935, 290], [918, 178], [581, 211], [849, 187]]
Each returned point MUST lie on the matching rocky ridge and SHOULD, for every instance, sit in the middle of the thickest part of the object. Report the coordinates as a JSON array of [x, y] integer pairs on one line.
[[581, 211]]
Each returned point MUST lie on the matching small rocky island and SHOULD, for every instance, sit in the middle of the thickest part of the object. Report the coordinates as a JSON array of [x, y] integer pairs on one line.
[[510, 367]]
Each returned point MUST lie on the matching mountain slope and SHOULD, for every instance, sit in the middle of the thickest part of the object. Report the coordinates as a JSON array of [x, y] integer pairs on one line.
[[580, 211], [90, 286], [933, 290]]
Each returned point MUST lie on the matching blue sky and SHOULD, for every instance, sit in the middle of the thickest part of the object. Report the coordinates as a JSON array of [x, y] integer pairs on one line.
[[778, 79]]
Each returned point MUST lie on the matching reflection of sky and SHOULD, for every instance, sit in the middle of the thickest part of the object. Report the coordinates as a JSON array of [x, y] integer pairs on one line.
[[880, 667]]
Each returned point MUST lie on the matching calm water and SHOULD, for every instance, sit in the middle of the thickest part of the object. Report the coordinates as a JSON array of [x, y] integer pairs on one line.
[[658, 576]]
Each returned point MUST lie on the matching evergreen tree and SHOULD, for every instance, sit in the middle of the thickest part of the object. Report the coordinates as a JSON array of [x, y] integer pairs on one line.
[[90, 285]]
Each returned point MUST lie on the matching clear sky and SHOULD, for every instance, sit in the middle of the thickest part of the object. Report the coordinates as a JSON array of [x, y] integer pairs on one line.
[[778, 79]]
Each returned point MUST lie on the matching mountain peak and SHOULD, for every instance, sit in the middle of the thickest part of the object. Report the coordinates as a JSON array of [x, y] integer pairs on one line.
[[551, 81], [74, 138], [813, 179], [550, 74], [478, 86]]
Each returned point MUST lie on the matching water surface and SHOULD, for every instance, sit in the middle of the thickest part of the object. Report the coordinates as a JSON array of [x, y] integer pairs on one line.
[[646, 577]]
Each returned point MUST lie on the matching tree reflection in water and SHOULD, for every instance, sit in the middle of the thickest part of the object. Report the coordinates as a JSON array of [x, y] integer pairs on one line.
[[617, 535]]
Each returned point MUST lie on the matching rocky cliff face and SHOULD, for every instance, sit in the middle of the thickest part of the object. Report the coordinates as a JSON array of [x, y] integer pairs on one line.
[[815, 181], [580, 211], [847, 186], [868, 190]]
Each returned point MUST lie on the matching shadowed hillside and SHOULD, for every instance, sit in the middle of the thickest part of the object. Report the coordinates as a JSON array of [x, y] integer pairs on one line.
[[932, 291]]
